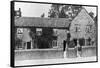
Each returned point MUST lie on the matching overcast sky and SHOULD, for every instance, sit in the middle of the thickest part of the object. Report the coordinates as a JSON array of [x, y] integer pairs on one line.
[[37, 9]]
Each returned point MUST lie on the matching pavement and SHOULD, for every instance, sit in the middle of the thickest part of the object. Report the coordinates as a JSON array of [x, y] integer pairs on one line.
[[53, 61]]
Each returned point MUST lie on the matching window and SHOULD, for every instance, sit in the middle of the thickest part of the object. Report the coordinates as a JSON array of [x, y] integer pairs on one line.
[[39, 31], [19, 30], [88, 28], [88, 41]]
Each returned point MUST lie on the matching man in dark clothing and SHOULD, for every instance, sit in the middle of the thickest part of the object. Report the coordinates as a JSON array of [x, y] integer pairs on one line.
[[64, 45], [64, 48]]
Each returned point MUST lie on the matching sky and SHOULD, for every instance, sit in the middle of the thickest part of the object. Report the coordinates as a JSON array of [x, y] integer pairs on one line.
[[37, 9]]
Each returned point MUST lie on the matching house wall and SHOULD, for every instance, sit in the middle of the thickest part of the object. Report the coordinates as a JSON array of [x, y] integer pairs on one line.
[[61, 36], [82, 19]]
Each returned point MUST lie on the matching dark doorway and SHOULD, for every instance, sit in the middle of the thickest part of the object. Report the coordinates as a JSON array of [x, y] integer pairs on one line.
[[28, 45]]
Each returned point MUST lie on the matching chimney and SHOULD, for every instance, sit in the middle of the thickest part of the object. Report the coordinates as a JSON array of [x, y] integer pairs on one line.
[[18, 13]]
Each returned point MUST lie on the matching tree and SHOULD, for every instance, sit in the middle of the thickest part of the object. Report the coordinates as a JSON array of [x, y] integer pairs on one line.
[[92, 15], [64, 11], [54, 11]]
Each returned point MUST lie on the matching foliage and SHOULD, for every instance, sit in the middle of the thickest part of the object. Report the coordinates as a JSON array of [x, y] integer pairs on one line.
[[64, 11], [91, 14]]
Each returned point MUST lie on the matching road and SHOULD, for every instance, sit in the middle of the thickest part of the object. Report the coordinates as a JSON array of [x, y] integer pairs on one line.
[[53, 61]]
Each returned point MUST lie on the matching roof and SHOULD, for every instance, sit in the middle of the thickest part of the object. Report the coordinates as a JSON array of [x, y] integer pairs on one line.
[[83, 15], [42, 22], [46, 22]]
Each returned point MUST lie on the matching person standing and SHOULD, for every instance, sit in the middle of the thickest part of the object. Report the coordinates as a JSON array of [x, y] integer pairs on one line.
[[66, 44], [64, 48], [79, 49]]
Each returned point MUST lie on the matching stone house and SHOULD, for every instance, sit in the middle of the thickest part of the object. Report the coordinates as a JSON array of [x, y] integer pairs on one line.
[[82, 26]]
